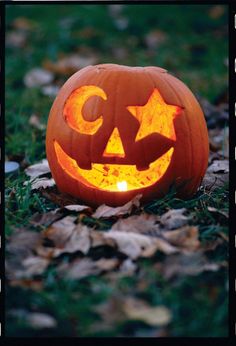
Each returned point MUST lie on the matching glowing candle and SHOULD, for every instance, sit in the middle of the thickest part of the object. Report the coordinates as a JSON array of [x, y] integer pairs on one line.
[[122, 185]]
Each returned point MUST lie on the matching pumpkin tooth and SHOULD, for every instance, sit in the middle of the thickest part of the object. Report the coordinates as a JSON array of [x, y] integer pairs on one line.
[[85, 165], [142, 168]]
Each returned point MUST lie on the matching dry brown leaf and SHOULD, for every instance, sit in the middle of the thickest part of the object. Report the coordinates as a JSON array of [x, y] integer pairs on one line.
[[79, 240], [50, 90], [219, 166], [128, 267], [111, 313], [22, 23], [174, 218], [214, 210], [60, 231], [143, 223], [98, 239], [16, 39], [21, 262], [216, 11], [106, 211], [212, 181], [77, 207], [131, 244], [219, 141], [41, 183], [186, 238], [33, 284], [38, 77], [22, 243], [136, 245], [45, 219], [186, 264], [34, 120], [137, 309], [155, 38], [78, 269], [38, 169], [37, 320], [70, 64], [34, 265], [106, 264]]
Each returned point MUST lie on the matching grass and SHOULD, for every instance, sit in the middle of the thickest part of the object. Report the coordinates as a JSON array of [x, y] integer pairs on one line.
[[194, 49]]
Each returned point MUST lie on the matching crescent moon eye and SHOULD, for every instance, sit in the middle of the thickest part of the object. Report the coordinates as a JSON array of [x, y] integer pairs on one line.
[[73, 109]]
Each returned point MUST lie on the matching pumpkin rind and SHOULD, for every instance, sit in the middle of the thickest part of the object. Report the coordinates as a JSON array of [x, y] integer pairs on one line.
[[124, 87]]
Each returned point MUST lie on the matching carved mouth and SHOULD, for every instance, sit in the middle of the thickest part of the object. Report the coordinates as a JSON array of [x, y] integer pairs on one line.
[[113, 177]]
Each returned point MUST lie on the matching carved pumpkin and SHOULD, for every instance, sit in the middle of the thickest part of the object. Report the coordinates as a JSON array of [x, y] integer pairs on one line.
[[116, 131]]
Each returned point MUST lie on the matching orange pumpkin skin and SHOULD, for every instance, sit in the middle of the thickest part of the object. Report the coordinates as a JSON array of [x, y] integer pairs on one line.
[[116, 107]]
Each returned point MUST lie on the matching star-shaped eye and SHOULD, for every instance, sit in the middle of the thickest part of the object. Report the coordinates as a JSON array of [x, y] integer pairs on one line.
[[155, 116]]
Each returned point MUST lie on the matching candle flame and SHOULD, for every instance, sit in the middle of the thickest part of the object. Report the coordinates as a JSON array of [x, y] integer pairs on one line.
[[122, 185]]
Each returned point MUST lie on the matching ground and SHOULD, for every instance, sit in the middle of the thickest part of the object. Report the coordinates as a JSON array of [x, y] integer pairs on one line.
[[54, 289]]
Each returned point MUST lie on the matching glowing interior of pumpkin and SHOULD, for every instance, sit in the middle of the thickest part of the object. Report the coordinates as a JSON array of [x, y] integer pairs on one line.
[[154, 117], [112, 177]]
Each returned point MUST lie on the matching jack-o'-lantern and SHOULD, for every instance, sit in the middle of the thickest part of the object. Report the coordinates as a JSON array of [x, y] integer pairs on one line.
[[116, 131]]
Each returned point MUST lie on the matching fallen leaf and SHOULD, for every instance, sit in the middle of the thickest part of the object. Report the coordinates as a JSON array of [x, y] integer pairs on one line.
[[143, 224], [41, 183], [79, 240], [22, 23], [77, 207], [38, 169], [38, 77], [216, 11], [106, 264], [34, 120], [121, 22], [37, 320], [186, 264], [106, 211], [155, 38], [33, 284], [212, 181], [50, 90], [219, 166], [78, 269], [137, 309], [22, 242], [186, 238], [60, 231], [128, 267], [131, 244], [70, 64], [20, 247], [174, 218], [40, 320], [136, 245], [16, 39], [111, 313], [219, 141], [45, 219], [34, 265], [214, 210]]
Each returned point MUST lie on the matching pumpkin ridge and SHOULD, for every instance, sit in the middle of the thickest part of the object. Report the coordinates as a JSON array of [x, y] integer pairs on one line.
[[186, 121], [201, 130]]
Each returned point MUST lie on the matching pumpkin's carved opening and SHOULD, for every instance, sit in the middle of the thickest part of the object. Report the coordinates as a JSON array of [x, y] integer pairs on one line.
[[114, 177], [73, 109], [114, 145], [155, 116]]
